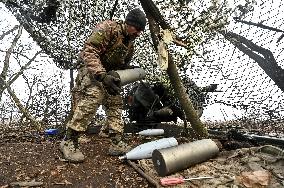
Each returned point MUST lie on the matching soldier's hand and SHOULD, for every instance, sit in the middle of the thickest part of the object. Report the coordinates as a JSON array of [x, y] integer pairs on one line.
[[111, 82]]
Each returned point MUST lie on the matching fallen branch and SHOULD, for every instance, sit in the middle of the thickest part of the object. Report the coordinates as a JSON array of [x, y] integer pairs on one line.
[[147, 177], [63, 183], [26, 184]]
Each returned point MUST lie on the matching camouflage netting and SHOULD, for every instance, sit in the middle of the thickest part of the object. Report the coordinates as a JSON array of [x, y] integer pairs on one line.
[[243, 83]]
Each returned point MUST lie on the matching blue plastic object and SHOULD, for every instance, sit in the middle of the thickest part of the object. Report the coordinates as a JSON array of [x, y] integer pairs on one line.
[[51, 131]]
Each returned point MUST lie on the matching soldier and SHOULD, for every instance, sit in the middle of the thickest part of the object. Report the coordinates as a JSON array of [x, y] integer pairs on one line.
[[109, 48]]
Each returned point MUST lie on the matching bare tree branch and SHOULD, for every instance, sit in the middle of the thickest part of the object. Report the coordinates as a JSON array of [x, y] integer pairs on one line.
[[266, 60], [113, 9], [155, 13], [37, 36], [258, 25], [29, 93], [280, 38], [261, 26], [18, 103], [8, 32], [8, 54], [17, 53], [4, 72], [23, 68]]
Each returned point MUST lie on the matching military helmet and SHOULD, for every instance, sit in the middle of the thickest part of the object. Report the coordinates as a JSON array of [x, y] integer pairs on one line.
[[136, 18]]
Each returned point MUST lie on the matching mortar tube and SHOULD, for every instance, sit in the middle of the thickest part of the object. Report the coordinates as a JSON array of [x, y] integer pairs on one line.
[[128, 76], [173, 159]]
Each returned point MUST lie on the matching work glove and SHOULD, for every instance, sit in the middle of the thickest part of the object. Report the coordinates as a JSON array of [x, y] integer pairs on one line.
[[111, 82]]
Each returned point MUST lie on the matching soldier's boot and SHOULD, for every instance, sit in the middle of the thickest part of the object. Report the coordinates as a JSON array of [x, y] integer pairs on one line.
[[117, 146], [70, 147]]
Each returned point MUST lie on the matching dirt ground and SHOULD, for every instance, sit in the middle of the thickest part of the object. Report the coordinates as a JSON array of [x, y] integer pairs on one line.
[[42, 162], [26, 156]]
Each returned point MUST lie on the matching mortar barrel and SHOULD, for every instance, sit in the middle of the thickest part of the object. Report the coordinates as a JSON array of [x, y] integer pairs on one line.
[[131, 75], [173, 159]]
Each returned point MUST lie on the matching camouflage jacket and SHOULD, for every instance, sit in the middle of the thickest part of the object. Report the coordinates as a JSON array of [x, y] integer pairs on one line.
[[108, 48]]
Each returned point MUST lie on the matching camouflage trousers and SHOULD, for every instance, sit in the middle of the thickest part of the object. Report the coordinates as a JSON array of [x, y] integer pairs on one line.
[[88, 95]]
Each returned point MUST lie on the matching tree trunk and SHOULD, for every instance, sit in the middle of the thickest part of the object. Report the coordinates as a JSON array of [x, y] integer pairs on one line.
[[154, 16], [266, 60], [185, 101]]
